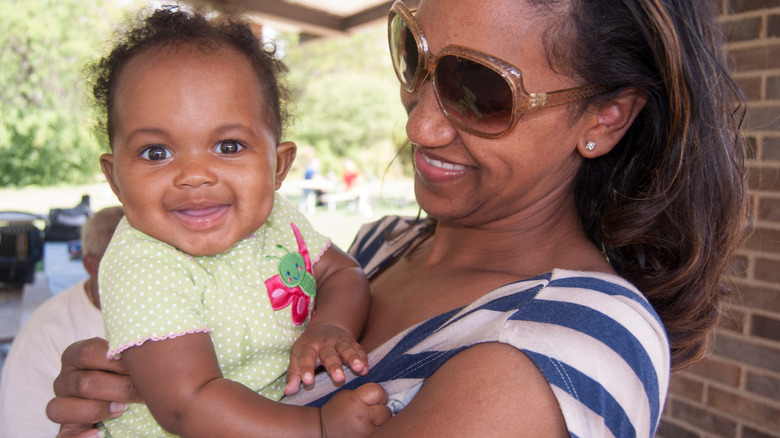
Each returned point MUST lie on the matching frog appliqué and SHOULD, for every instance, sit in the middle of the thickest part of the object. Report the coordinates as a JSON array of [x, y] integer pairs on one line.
[[294, 284]]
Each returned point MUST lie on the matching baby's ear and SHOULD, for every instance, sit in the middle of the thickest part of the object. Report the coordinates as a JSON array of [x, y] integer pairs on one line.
[[107, 165], [610, 122], [285, 155]]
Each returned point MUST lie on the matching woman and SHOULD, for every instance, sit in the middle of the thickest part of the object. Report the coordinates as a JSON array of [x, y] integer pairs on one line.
[[515, 308]]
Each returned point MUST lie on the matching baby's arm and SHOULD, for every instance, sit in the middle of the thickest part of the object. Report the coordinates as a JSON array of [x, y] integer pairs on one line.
[[180, 381], [341, 307]]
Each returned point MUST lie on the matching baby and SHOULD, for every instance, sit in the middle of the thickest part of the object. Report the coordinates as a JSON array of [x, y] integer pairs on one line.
[[212, 278]]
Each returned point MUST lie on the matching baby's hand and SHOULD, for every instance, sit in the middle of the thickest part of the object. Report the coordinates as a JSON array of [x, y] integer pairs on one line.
[[355, 413], [327, 345]]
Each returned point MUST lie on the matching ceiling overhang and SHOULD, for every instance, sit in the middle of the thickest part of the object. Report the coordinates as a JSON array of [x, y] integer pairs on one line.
[[314, 17]]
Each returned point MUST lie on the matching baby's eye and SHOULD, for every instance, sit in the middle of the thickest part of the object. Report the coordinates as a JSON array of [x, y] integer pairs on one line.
[[228, 147], [156, 153]]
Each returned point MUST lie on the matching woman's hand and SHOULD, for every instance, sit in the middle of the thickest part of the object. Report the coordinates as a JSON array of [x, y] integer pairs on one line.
[[89, 389]]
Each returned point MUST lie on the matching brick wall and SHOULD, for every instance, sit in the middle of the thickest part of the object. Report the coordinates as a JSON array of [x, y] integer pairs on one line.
[[735, 391]]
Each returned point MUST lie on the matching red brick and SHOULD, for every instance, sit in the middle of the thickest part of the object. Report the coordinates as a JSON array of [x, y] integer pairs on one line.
[[768, 210], [744, 351], [738, 6], [749, 432], [754, 58], [764, 298], [754, 411], [773, 26], [772, 148], [763, 118], [686, 388], [702, 419], [751, 88], [772, 87], [670, 430], [717, 371], [752, 398], [764, 385], [763, 178], [744, 29], [765, 327], [767, 270], [765, 240]]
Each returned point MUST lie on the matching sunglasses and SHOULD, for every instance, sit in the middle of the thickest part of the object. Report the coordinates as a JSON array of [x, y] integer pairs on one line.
[[477, 92]]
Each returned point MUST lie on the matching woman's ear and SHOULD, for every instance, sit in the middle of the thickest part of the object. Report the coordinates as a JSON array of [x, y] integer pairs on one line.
[[107, 165], [285, 155], [610, 123]]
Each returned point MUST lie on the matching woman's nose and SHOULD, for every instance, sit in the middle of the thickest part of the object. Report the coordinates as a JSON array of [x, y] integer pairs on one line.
[[194, 172], [426, 125]]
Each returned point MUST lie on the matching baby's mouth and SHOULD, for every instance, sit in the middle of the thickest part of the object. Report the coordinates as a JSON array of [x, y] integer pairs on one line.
[[201, 216]]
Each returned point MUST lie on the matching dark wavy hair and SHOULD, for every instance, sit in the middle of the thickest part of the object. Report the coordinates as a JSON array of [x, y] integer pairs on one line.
[[668, 205], [171, 25]]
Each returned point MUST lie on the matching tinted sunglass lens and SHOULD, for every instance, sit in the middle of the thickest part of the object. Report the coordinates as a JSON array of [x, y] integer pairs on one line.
[[474, 95], [403, 50]]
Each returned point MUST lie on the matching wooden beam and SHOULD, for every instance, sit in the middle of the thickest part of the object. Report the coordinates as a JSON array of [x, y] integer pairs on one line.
[[310, 21], [370, 15]]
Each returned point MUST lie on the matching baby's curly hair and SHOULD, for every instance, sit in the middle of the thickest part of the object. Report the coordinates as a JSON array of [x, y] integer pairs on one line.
[[171, 25]]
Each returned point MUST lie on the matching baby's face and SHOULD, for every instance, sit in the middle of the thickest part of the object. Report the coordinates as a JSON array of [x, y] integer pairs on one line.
[[194, 162]]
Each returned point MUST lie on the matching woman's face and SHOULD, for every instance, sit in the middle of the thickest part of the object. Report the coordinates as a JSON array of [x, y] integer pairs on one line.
[[475, 181], [194, 162]]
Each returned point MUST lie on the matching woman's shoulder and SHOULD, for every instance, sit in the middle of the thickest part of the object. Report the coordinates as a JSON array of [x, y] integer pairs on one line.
[[601, 292], [595, 308], [596, 282], [600, 345]]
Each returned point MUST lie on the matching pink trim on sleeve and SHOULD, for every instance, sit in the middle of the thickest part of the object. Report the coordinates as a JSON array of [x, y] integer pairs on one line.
[[115, 353], [317, 257]]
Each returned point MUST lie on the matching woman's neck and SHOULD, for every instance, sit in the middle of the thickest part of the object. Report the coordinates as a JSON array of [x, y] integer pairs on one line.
[[522, 244]]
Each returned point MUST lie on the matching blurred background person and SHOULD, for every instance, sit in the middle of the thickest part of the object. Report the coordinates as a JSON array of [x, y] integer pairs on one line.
[[34, 359]]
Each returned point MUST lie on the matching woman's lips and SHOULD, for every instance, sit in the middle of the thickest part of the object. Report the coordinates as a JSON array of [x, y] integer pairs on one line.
[[442, 164], [201, 217], [436, 170]]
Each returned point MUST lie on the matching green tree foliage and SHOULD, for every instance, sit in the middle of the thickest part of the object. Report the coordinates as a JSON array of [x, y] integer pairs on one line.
[[45, 131], [345, 99]]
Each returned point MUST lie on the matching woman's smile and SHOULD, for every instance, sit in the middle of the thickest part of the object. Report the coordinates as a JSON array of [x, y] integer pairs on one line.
[[437, 170]]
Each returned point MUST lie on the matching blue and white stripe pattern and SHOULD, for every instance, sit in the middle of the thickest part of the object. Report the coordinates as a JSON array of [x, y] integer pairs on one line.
[[595, 338]]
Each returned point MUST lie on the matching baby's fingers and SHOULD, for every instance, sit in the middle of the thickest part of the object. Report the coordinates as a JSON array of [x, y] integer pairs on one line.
[[352, 354], [293, 379], [302, 364], [371, 394], [375, 397], [330, 359]]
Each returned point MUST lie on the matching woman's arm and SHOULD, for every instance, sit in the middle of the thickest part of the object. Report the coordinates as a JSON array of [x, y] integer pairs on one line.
[[489, 389], [341, 308]]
